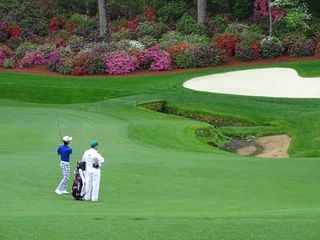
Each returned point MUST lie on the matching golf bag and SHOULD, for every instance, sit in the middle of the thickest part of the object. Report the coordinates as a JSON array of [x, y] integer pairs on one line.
[[78, 187]]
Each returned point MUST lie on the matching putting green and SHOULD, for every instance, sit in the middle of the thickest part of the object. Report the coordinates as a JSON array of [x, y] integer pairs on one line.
[[159, 180]]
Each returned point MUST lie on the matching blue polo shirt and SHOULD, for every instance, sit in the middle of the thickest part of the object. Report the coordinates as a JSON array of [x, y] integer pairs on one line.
[[64, 151]]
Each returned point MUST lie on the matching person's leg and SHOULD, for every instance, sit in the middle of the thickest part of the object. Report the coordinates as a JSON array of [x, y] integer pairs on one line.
[[89, 179], [65, 169], [96, 185]]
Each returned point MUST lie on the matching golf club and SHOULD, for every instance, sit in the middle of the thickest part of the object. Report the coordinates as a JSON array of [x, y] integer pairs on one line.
[[59, 129]]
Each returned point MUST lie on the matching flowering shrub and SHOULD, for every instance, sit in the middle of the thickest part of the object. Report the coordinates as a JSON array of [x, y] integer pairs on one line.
[[271, 47], [65, 51], [96, 65], [227, 43], [8, 51], [129, 25], [24, 48], [299, 46], [23, 17], [133, 44], [32, 58], [150, 14], [53, 60], [76, 43], [247, 52], [65, 66], [175, 50], [9, 63], [199, 56], [120, 46], [46, 48], [56, 24], [76, 70], [80, 60], [14, 31], [101, 47], [60, 42], [2, 57], [156, 60], [261, 9], [120, 63]]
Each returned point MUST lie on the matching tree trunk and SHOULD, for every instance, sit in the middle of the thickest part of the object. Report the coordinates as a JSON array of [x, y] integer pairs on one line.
[[102, 17], [270, 18], [202, 11]]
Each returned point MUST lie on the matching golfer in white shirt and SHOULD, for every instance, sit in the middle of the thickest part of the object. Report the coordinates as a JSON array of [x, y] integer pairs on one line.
[[93, 171]]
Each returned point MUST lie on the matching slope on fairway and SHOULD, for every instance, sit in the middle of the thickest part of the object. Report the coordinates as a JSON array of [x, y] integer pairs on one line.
[[172, 187]]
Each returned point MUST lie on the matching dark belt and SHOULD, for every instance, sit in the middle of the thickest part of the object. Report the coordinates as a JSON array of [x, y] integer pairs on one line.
[[95, 166]]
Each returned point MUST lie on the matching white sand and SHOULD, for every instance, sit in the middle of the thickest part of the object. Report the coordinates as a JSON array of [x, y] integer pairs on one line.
[[267, 82]]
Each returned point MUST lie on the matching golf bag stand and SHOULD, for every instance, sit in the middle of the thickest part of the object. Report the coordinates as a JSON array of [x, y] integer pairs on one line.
[[78, 187]]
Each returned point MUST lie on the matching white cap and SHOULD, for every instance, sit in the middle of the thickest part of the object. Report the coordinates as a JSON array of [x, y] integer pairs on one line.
[[67, 139]]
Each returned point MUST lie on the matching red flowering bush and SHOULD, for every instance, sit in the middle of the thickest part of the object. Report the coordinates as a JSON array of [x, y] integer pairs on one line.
[[13, 31], [227, 43], [120, 63], [128, 25], [60, 42], [80, 59], [175, 50], [56, 23], [78, 71], [150, 14], [71, 27]]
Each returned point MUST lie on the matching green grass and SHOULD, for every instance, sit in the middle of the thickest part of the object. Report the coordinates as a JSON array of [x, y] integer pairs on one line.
[[159, 181]]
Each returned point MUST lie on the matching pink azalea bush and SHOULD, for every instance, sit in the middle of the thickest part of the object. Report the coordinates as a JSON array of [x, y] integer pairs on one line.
[[53, 60], [32, 58], [2, 57], [120, 63], [156, 60]]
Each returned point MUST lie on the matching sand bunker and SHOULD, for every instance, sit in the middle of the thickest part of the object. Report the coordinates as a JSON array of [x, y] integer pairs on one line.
[[271, 147], [267, 82]]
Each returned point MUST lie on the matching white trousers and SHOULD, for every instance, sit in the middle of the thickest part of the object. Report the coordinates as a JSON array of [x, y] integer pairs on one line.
[[92, 184]]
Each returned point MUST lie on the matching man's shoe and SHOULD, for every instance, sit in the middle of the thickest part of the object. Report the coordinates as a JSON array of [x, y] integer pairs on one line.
[[57, 191]]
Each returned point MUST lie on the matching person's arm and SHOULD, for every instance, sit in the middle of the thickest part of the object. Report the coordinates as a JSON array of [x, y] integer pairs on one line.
[[84, 157], [100, 158]]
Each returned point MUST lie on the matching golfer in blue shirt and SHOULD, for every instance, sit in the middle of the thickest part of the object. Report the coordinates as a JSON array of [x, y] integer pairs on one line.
[[64, 151]]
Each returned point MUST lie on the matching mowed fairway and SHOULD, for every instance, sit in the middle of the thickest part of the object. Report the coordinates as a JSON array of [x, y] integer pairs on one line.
[[159, 181]]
